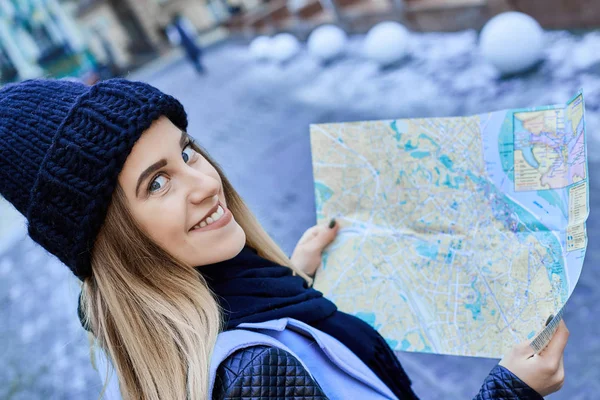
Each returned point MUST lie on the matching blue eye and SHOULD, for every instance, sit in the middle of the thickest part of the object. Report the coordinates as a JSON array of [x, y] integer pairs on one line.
[[187, 154], [156, 185]]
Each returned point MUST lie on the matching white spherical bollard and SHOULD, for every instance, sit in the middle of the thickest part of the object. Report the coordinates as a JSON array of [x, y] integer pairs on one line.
[[327, 42], [284, 46], [386, 43], [513, 42], [260, 47]]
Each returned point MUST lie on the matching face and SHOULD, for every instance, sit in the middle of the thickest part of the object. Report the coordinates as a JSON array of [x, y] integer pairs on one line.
[[176, 197]]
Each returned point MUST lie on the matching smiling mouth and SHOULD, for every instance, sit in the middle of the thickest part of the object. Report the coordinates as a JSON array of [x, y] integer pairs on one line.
[[215, 214]]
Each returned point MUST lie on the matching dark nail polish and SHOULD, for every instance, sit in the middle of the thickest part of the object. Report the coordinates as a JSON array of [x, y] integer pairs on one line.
[[550, 318], [332, 223]]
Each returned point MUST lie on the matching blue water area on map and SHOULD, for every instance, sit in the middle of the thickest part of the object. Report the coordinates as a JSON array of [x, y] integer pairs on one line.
[[324, 259], [427, 249], [368, 317], [453, 183], [409, 146], [394, 126], [523, 143], [405, 345], [420, 154], [444, 159], [426, 137], [322, 194], [554, 197], [506, 143], [475, 306], [529, 157], [522, 137], [426, 348]]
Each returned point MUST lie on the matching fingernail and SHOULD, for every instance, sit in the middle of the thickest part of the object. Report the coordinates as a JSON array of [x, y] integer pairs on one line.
[[332, 223], [549, 319]]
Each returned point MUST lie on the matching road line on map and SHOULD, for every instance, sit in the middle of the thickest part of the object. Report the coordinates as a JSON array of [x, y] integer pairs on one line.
[[500, 310]]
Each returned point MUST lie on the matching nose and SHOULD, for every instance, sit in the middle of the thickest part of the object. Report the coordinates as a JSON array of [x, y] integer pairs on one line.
[[200, 186]]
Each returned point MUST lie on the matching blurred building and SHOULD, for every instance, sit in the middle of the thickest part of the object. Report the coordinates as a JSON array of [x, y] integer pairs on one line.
[[136, 29], [560, 14], [419, 15], [39, 37], [73, 37]]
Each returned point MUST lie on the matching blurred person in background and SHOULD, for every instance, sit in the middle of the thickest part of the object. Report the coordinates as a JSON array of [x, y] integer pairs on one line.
[[183, 291], [181, 32]]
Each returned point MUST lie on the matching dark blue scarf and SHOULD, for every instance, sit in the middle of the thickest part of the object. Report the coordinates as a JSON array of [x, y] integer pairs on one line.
[[250, 288]]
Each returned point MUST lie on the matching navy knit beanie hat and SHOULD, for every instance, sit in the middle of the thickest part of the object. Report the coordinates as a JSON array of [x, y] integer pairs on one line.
[[62, 147]]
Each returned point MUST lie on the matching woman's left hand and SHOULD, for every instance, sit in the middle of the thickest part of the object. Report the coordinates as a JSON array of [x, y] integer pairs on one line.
[[308, 251]]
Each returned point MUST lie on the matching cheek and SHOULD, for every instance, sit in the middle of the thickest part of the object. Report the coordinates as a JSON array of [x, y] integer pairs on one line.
[[164, 223]]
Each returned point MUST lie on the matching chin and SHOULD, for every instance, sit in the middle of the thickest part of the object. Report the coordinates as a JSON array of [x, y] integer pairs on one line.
[[237, 243], [225, 250]]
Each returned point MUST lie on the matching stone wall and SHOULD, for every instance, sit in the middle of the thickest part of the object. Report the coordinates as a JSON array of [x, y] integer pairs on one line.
[[561, 14], [456, 15]]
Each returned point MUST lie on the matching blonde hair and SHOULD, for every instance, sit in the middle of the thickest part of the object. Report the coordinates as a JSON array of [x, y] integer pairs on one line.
[[154, 317]]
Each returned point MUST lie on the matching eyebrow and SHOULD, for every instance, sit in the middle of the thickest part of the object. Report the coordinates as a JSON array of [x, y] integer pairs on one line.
[[158, 165]]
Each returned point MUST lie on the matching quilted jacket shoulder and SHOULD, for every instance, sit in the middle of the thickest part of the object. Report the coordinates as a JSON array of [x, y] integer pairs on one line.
[[501, 384], [264, 372]]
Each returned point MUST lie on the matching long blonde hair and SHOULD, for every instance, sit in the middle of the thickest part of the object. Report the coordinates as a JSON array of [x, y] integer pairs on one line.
[[155, 318]]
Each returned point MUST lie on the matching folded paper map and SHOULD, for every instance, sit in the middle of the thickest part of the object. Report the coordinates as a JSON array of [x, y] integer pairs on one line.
[[459, 235]]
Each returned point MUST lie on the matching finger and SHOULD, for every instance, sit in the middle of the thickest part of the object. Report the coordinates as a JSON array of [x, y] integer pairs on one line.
[[332, 224], [309, 234], [523, 350], [557, 344], [329, 232], [561, 365], [321, 240], [559, 376]]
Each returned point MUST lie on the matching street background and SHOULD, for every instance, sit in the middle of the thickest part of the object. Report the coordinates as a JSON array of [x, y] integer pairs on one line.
[[253, 118]]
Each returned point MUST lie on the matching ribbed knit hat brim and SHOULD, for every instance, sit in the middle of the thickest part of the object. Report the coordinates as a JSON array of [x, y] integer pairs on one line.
[[64, 146]]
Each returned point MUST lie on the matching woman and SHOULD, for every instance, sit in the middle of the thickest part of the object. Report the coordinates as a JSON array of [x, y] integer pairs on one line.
[[181, 287]]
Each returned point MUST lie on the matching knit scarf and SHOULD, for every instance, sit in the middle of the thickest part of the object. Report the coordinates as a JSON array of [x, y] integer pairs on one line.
[[251, 289]]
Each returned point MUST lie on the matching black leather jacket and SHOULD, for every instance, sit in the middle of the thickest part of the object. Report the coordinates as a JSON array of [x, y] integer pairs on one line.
[[263, 372]]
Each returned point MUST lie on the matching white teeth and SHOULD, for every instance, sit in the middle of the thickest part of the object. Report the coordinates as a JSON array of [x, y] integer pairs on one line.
[[213, 218]]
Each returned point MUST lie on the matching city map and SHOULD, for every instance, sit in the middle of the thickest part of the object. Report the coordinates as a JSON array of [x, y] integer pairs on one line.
[[458, 235]]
